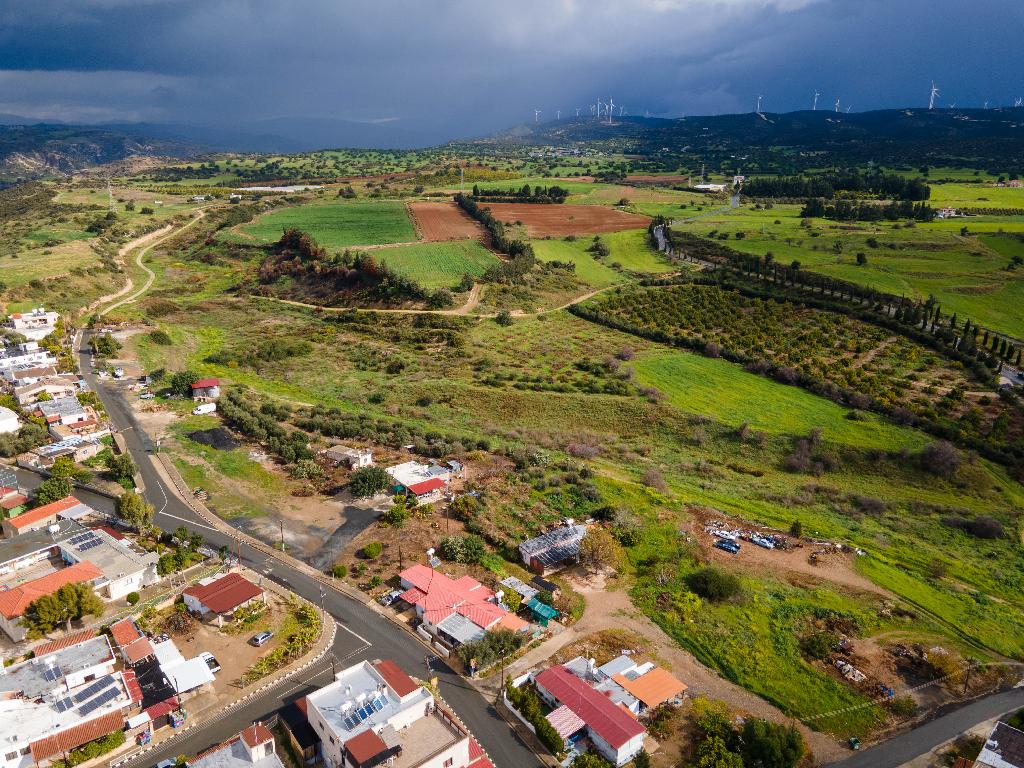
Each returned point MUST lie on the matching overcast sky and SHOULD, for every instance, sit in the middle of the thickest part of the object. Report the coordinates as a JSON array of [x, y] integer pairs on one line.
[[466, 67]]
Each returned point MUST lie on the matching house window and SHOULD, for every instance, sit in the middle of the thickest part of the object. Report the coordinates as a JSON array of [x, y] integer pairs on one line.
[[449, 762]]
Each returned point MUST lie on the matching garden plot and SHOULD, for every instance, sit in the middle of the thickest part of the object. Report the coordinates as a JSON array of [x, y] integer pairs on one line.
[[443, 221]]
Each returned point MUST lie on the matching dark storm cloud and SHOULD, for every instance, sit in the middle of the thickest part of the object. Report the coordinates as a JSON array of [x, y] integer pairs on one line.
[[456, 67]]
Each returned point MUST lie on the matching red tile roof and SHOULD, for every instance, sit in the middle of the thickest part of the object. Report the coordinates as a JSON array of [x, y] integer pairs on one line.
[[124, 632], [594, 708], [204, 383], [110, 531], [477, 757], [138, 650], [68, 739], [131, 682], [395, 677], [64, 642], [14, 601], [14, 501], [482, 614], [439, 596], [162, 708], [427, 486], [226, 593], [256, 734], [365, 746], [39, 514]]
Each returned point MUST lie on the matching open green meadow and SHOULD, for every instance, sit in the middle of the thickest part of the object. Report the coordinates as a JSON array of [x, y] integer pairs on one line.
[[965, 273], [438, 265], [337, 223]]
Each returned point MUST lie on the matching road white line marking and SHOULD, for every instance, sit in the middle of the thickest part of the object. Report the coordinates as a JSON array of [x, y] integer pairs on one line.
[[190, 522], [342, 626]]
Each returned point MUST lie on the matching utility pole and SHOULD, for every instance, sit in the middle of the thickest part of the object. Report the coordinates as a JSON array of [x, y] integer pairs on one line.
[[401, 565], [280, 522]]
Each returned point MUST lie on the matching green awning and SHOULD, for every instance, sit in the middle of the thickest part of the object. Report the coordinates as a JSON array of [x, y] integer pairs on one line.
[[542, 610]]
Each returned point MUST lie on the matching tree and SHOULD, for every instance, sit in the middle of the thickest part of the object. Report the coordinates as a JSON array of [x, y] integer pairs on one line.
[[940, 458], [504, 317], [181, 383], [713, 753], [642, 759], [769, 745], [513, 600], [600, 550], [134, 510], [796, 529], [52, 489], [368, 481], [69, 603], [121, 466], [63, 466], [713, 584]]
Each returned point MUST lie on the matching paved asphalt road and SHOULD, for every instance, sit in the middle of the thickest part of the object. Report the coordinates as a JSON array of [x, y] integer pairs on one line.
[[363, 634], [902, 749]]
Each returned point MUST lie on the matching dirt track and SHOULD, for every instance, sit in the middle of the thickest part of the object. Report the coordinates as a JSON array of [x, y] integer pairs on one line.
[[437, 222], [542, 220]]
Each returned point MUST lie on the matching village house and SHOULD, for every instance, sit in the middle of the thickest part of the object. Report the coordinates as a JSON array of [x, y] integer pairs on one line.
[[19, 377], [353, 458], [375, 714], [637, 687], [50, 549], [252, 748], [62, 410], [67, 695], [456, 611], [205, 390], [78, 448], [35, 325], [425, 482], [615, 734], [25, 355], [60, 385], [217, 599]]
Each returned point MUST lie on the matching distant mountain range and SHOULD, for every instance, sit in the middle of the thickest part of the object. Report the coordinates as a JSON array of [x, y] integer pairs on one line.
[[768, 142], [983, 138]]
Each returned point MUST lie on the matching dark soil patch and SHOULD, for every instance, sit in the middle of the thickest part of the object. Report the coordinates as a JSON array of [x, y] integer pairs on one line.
[[218, 438]]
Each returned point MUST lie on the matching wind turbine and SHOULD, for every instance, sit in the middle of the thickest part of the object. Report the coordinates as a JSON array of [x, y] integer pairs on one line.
[[1018, 102], [817, 93], [759, 104], [848, 109], [558, 114], [837, 105], [986, 104], [536, 115], [577, 111], [622, 110], [931, 99], [592, 108], [611, 109]]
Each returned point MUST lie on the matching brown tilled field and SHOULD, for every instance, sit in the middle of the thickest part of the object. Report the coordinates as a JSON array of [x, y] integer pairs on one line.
[[654, 179], [437, 222], [559, 220]]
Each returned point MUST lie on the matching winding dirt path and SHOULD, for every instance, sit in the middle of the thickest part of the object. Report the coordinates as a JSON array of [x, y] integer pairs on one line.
[[123, 251], [164, 234]]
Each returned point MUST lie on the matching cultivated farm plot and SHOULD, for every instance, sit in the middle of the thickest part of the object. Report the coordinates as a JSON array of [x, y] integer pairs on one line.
[[560, 220], [338, 224], [443, 221], [438, 265]]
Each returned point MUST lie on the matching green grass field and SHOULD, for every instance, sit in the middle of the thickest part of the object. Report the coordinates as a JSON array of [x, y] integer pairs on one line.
[[725, 392], [629, 252], [966, 274], [336, 224], [438, 265]]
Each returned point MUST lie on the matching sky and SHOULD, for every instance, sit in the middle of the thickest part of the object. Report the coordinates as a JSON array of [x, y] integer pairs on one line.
[[430, 70]]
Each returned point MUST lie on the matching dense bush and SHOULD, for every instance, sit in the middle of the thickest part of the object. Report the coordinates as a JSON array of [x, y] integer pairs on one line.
[[93, 749], [373, 550], [369, 481], [462, 549], [713, 584], [983, 526]]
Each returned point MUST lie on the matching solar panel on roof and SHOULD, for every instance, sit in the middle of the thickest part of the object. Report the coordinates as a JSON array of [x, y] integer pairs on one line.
[[52, 673], [93, 689], [99, 701], [64, 705], [349, 725], [378, 705]]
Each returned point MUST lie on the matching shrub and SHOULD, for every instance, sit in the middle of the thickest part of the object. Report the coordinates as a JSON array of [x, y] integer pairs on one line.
[[504, 317], [368, 481], [160, 337], [903, 706], [983, 526], [940, 458], [713, 584], [770, 745], [818, 645], [339, 571], [373, 550], [132, 598]]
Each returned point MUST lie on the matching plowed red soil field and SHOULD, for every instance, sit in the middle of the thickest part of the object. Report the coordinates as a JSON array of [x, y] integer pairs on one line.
[[542, 220], [443, 221]]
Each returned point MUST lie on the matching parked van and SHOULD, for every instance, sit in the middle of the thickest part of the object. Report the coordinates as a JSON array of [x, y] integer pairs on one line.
[[202, 408]]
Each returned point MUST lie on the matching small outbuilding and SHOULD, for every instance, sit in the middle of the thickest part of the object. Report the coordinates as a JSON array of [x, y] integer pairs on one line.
[[220, 598]]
